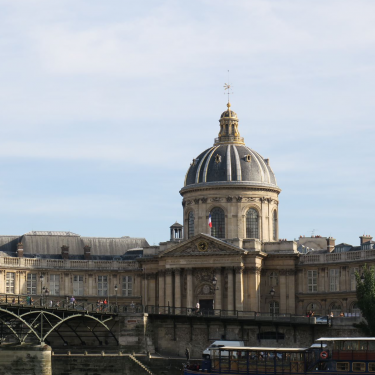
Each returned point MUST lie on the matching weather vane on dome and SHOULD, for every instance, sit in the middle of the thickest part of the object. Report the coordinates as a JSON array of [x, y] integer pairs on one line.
[[228, 88]]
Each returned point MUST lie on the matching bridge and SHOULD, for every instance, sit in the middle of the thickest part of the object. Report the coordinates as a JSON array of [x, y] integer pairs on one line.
[[24, 320]]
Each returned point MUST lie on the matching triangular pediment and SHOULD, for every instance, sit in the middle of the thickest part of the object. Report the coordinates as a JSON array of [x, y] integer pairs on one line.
[[202, 245]]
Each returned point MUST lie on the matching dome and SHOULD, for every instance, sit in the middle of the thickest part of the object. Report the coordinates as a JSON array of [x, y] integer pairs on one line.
[[229, 161]]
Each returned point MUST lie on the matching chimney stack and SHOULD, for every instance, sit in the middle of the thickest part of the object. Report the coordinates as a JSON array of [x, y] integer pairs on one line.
[[20, 250], [365, 238], [87, 252], [65, 252], [330, 244]]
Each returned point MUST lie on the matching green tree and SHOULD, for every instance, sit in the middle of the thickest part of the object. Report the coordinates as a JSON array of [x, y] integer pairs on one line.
[[366, 299]]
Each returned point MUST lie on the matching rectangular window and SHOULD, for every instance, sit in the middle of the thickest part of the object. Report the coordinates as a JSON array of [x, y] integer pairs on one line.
[[31, 283], [78, 285], [312, 281], [353, 282], [371, 366], [10, 282], [342, 366], [359, 366], [102, 285], [127, 286], [54, 285], [334, 280]]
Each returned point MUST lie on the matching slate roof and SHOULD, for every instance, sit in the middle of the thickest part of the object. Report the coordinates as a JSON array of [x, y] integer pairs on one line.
[[41, 244], [231, 169]]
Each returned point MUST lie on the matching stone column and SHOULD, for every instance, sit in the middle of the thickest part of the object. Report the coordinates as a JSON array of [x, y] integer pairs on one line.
[[67, 286], [177, 287], [229, 272], [283, 291], [291, 292], [189, 291], [239, 288], [219, 291], [145, 287], [151, 288], [17, 282], [161, 288], [168, 287], [253, 275]]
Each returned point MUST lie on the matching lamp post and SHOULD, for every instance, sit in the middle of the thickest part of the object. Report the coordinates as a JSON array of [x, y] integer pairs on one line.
[[116, 295], [41, 277], [362, 278], [272, 293]]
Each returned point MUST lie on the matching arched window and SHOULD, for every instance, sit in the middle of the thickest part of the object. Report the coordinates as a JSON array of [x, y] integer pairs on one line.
[[252, 224], [315, 308], [218, 223], [274, 279], [336, 309], [274, 307], [274, 219], [191, 224], [354, 309]]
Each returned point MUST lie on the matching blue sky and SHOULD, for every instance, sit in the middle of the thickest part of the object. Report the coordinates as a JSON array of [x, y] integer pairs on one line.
[[103, 105]]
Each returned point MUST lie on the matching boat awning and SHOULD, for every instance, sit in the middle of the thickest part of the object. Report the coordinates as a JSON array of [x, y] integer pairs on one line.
[[346, 339], [262, 349]]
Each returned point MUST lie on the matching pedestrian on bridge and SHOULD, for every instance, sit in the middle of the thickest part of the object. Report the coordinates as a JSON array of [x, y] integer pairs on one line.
[[28, 300], [187, 354]]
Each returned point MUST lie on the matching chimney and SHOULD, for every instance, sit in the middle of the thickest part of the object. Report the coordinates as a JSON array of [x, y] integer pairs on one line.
[[20, 250], [87, 252], [330, 244], [365, 238], [65, 252]]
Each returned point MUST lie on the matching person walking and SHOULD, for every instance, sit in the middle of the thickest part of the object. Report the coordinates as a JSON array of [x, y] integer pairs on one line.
[[72, 301], [28, 300], [187, 354], [105, 304]]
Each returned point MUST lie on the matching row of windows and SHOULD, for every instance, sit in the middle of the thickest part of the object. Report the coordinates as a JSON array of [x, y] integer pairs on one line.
[[334, 280], [218, 223], [78, 284], [356, 366]]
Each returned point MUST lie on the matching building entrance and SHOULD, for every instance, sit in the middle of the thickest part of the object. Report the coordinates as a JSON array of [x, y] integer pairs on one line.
[[206, 304]]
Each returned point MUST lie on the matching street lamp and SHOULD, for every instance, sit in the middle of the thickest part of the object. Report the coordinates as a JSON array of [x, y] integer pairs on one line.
[[272, 293], [214, 289], [362, 278], [116, 294], [41, 277]]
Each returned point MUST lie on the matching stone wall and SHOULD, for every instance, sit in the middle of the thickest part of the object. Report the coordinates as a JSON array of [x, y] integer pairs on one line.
[[172, 338], [25, 359]]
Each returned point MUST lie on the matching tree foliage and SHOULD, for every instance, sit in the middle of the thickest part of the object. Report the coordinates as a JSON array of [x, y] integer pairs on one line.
[[366, 299]]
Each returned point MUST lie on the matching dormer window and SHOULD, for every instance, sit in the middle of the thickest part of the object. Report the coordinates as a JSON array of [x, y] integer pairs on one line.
[[248, 158], [218, 158]]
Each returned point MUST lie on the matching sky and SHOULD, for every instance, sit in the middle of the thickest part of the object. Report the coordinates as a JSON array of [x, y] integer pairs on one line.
[[104, 104]]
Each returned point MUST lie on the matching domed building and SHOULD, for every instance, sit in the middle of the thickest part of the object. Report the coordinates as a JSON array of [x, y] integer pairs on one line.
[[235, 185], [229, 235]]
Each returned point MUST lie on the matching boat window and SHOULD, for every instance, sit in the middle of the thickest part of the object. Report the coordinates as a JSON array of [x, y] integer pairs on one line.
[[371, 366], [359, 366], [371, 345], [342, 366]]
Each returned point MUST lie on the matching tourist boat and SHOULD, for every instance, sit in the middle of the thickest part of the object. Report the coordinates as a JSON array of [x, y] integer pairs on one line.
[[334, 355]]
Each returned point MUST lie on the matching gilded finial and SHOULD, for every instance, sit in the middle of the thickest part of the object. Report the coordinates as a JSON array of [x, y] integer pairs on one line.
[[228, 105]]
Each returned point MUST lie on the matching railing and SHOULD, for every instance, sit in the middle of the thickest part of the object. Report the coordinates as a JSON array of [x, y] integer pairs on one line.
[[230, 314], [46, 302], [68, 264], [337, 257]]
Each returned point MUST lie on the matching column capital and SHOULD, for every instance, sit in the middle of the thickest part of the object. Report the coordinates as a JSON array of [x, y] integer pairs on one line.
[[150, 276], [228, 270], [239, 269], [177, 271], [168, 271], [161, 273], [217, 270]]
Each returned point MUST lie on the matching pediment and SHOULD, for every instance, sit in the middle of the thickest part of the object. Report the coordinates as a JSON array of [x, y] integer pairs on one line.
[[202, 245]]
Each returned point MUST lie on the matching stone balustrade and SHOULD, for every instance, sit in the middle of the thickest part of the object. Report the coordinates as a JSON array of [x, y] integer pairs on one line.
[[34, 263], [349, 256]]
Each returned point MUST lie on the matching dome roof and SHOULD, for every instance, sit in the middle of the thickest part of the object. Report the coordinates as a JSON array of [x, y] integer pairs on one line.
[[229, 162]]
